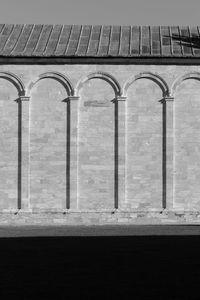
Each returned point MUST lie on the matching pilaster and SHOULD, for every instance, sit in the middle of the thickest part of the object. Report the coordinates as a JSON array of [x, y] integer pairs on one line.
[[168, 152], [72, 156], [120, 151], [23, 152]]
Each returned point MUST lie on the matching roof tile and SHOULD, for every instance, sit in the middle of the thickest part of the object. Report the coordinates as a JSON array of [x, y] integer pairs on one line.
[[165, 40], [63, 40], [114, 40], [155, 40], [186, 41], [22, 41], [94, 40], [12, 40], [125, 41], [145, 40], [1, 27], [84, 40], [135, 40], [176, 44], [76, 40], [5, 34], [194, 35], [73, 40], [53, 40], [43, 40], [104, 41], [33, 40]]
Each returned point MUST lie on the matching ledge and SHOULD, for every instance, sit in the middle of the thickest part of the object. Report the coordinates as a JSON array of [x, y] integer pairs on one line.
[[98, 219]]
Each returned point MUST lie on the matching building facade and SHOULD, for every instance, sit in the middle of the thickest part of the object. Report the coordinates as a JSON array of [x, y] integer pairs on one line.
[[99, 125]]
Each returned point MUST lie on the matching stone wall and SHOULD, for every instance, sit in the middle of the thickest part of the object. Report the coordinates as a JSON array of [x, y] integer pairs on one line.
[[98, 144]]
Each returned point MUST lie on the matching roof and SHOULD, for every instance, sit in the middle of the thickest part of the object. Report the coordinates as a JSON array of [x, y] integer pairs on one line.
[[30, 40]]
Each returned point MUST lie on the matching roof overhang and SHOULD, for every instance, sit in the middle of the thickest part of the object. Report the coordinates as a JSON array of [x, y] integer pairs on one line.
[[101, 60]]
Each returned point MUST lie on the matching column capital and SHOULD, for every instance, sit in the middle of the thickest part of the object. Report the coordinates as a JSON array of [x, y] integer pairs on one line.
[[121, 98], [24, 98], [167, 99], [73, 98], [118, 99]]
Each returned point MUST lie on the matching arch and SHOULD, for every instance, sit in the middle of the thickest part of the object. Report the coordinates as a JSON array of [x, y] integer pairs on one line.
[[49, 182], [15, 81], [186, 90], [154, 77], [104, 76], [144, 136], [53, 75], [11, 144], [97, 142], [177, 82]]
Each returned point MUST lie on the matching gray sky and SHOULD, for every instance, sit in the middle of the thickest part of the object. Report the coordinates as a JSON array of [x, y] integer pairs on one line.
[[130, 12]]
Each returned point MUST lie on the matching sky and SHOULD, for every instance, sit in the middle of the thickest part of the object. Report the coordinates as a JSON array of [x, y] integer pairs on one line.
[[110, 12]]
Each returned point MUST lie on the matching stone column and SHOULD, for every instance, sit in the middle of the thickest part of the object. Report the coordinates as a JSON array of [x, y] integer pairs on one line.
[[72, 156], [23, 153], [168, 152], [120, 151]]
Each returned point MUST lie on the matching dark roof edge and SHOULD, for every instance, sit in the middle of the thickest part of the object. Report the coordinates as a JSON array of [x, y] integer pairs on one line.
[[187, 60]]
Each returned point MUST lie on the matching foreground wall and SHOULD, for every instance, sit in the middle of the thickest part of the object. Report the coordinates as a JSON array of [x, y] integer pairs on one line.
[[97, 144]]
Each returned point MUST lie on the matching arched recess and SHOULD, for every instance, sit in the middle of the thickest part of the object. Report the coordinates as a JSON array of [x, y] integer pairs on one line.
[[178, 81], [187, 141], [15, 80], [49, 142], [104, 76], [144, 143], [96, 143], [148, 75], [11, 87], [62, 79]]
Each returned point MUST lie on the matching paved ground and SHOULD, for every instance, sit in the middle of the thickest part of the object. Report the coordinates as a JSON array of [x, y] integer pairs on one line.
[[149, 230], [131, 267]]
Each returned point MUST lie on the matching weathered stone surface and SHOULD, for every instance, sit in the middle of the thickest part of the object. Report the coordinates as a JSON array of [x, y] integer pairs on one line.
[[96, 133], [72, 155], [48, 148], [8, 145], [144, 145], [187, 145]]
